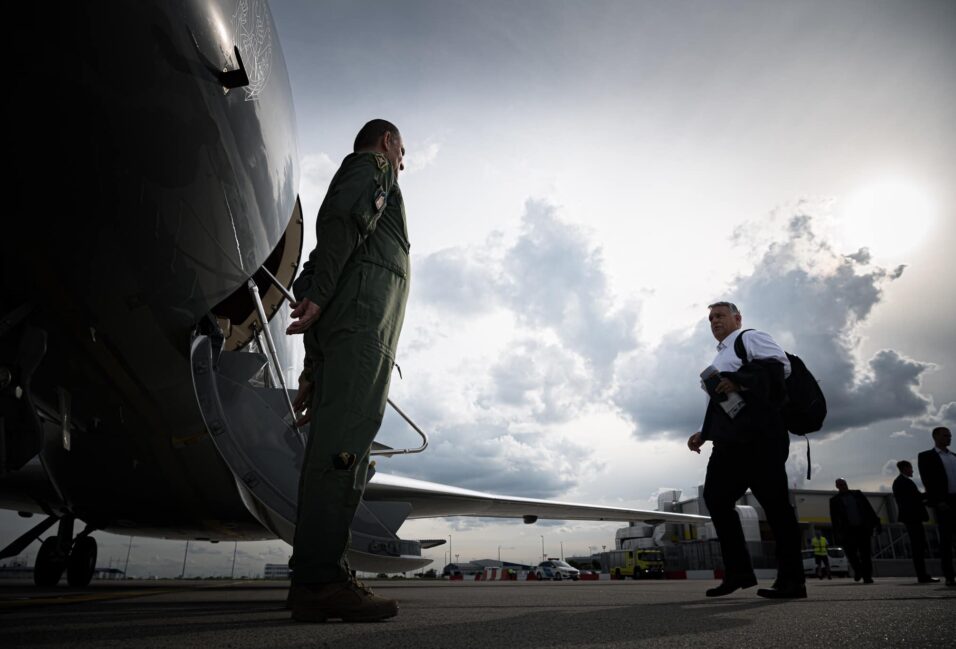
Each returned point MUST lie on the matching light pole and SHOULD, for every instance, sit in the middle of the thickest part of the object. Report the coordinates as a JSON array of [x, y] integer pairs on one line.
[[562, 550], [128, 550], [449, 548], [185, 554], [235, 548], [499, 554], [543, 555]]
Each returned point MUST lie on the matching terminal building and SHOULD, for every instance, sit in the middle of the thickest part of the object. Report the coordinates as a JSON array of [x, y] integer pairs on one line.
[[696, 547], [276, 571]]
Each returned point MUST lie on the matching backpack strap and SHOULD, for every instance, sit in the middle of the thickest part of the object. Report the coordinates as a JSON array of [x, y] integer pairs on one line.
[[739, 347], [808, 457]]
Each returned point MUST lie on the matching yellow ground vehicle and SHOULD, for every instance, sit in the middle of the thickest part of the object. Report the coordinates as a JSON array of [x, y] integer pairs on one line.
[[639, 564]]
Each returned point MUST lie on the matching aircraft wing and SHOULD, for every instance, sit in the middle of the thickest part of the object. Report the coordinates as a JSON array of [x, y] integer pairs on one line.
[[430, 499]]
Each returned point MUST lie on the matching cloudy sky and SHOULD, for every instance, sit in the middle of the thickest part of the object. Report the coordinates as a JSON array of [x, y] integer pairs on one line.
[[583, 178]]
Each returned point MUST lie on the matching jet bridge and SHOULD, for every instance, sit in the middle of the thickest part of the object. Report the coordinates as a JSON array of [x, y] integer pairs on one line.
[[250, 421]]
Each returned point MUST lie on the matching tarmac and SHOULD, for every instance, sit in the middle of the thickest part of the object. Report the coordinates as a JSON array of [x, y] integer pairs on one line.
[[447, 615]]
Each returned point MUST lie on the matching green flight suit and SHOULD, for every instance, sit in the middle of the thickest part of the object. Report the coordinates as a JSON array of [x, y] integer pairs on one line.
[[358, 274]]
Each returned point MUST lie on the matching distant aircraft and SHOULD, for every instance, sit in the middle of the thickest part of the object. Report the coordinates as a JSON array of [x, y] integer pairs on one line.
[[156, 216]]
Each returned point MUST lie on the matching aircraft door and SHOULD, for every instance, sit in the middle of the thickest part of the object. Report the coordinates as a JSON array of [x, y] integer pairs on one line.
[[251, 430]]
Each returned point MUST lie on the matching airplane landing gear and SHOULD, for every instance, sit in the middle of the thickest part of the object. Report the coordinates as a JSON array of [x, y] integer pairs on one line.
[[62, 552], [82, 562], [50, 563]]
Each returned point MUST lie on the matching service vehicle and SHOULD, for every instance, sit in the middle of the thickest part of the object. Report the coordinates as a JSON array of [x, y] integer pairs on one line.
[[559, 570], [638, 563]]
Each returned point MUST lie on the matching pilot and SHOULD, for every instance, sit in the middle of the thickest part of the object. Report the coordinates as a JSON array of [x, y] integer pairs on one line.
[[351, 305]]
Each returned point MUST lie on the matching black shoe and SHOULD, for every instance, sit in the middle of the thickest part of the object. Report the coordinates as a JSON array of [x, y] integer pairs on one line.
[[730, 584], [856, 577], [867, 580], [951, 582], [784, 591], [928, 580]]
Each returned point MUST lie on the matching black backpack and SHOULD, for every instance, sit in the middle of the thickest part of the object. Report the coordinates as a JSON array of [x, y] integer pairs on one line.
[[806, 407]]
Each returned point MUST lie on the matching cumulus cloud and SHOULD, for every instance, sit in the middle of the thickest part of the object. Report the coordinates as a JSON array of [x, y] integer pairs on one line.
[[945, 415], [550, 278], [796, 466], [542, 379], [556, 279], [571, 348], [890, 469], [888, 389], [487, 456], [657, 388], [812, 300], [317, 172], [458, 281], [496, 427], [421, 156]]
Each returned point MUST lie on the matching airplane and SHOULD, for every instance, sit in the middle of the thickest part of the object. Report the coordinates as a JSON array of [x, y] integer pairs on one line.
[[156, 230]]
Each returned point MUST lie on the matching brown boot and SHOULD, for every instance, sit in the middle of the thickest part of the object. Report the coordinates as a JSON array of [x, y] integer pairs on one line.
[[349, 601]]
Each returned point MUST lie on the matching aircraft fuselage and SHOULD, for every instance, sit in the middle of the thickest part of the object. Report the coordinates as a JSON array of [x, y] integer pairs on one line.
[[148, 192]]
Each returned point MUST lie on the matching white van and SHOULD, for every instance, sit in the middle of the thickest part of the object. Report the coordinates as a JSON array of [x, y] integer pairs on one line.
[[838, 562]]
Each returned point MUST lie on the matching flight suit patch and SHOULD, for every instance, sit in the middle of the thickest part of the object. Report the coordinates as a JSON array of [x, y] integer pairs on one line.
[[379, 199], [381, 161]]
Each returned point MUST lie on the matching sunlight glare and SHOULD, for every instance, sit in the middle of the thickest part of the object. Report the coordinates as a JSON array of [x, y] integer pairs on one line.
[[890, 217]]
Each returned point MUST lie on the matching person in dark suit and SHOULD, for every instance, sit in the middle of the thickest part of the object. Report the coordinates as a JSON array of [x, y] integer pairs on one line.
[[853, 521], [937, 470], [750, 450], [912, 513]]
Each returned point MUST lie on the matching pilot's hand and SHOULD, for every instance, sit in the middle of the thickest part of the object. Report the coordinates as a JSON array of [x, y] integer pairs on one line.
[[695, 442], [302, 404], [304, 315], [726, 386]]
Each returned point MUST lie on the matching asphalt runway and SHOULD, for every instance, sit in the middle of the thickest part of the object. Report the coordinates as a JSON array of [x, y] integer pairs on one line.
[[447, 615]]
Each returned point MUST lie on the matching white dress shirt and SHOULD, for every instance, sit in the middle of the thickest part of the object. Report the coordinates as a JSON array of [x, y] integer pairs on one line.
[[949, 463], [757, 344]]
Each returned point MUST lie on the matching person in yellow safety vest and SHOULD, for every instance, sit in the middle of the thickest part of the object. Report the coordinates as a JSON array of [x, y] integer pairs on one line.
[[820, 555]]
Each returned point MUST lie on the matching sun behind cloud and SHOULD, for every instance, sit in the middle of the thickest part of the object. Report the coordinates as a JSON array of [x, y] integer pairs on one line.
[[890, 216]]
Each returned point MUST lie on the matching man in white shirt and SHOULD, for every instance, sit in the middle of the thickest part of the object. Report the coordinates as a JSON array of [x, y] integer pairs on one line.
[[937, 470], [750, 451]]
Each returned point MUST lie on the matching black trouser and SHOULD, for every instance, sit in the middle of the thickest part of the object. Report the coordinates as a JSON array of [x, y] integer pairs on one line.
[[918, 543], [733, 469], [946, 522], [856, 543]]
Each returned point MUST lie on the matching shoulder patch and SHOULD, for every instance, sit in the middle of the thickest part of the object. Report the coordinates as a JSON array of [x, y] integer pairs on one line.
[[381, 161]]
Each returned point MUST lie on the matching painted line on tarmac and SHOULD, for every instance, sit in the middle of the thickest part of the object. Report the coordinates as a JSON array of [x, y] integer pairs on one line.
[[78, 598]]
